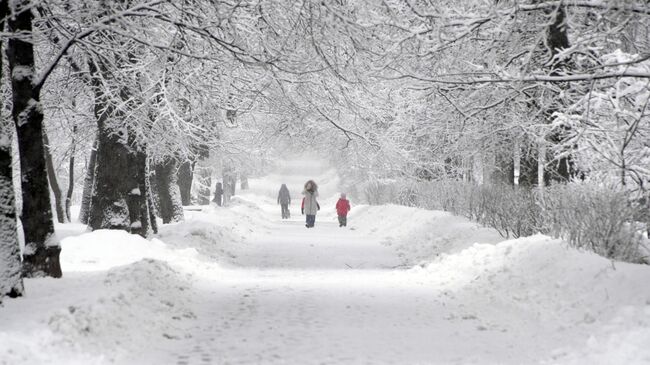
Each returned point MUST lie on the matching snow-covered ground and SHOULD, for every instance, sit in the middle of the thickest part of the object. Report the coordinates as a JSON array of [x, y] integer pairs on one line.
[[400, 285]]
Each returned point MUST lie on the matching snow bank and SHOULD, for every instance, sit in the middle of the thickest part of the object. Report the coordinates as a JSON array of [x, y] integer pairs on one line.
[[97, 318], [144, 299], [604, 305], [103, 249], [418, 234]]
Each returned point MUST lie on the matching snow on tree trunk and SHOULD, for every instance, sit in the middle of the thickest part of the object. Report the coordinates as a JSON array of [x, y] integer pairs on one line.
[[229, 183], [516, 159], [477, 168], [137, 197], [41, 256], [59, 203], [204, 182], [557, 40], [171, 207], [244, 182], [119, 199], [185, 176], [150, 203], [541, 165], [89, 182], [11, 282]]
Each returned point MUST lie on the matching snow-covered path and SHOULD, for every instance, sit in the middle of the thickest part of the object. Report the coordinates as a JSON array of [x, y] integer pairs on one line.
[[328, 296], [401, 285]]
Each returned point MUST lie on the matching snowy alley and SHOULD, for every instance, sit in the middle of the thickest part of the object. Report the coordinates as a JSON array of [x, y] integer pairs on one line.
[[324, 182], [400, 285]]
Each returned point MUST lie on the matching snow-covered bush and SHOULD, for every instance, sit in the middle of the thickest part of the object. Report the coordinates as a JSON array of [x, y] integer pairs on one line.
[[511, 211], [599, 218]]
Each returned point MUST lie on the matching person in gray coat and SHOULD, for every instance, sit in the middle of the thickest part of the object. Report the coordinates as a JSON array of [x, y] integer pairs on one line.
[[310, 205], [284, 199]]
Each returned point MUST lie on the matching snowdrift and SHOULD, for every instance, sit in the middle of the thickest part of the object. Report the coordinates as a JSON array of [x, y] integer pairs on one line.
[[97, 318], [600, 309], [419, 235]]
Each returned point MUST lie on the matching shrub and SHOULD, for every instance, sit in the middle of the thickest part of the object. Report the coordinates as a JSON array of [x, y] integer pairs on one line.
[[594, 217], [599, 218]]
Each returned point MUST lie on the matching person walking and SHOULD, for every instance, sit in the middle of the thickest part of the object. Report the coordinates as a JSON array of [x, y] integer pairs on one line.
[[218, 194], [342, 209], [310, 205], [284, 199]]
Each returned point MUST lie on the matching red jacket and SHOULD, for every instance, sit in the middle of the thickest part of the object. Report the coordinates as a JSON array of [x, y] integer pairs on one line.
[[342, 207]]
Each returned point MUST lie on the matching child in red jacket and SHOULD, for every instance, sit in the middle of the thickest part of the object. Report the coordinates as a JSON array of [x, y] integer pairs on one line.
[[342, 209]]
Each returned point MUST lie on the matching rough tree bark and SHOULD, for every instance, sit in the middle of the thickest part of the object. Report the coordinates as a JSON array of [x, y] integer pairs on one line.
[[171, 207], [150, 202], [59, 204], [119, 199], [41, 256], [185, 176], [89, 185], [11, 282]]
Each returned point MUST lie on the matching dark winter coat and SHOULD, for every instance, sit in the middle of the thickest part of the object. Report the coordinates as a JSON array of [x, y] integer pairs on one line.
[[342, 207], [283, 196], [218, 189]]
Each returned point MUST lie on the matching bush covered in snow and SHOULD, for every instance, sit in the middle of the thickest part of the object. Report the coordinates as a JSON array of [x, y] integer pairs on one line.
[[598, 218], [602, 219]]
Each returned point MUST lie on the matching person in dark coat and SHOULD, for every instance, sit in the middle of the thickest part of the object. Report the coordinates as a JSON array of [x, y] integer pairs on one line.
[[310, 205], [218, 194], [284, 199], [342, 209]]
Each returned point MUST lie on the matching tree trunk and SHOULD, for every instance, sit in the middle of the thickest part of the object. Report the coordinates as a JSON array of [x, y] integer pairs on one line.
[[150, 203], [89, 185], [227, 188], [244, 182], [541, 164], [204, 182], [11, 281], [185, 176], [68, 195], [478, 169], [59, 204], [119, 199], [171, 207], [137, 197], [41, 256], [516, 161], [557, 40]]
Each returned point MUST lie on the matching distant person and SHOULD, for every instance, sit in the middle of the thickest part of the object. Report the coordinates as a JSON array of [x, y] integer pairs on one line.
[[310, 205], [218, 194], [284, 199], [342, 209]]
